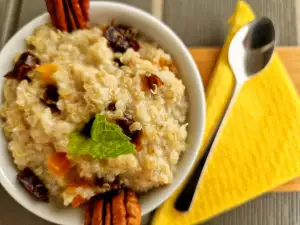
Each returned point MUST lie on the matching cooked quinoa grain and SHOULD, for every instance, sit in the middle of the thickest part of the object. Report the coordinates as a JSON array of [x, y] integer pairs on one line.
[[90, 77]]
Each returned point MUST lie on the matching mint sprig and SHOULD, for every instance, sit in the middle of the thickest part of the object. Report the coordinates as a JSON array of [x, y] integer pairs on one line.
[[107, 140]]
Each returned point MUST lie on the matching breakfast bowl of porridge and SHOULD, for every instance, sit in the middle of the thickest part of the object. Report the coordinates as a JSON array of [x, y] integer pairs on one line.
[[102, 108]]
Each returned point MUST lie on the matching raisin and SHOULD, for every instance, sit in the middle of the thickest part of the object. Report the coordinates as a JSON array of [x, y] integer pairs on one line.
[[125, 123], [50, 97], [33, 184], [111, 106], [118, 61]]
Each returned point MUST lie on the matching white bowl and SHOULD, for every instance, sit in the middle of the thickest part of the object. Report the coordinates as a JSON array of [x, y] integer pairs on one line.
[[103, 12]]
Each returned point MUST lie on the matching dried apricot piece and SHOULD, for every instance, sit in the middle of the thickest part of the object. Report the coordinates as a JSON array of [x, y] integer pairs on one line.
[[58, 163], [47, 71], [77, 201]]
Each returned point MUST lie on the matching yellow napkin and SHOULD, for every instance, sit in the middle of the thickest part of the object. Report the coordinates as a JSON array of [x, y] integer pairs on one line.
[[259, 147]]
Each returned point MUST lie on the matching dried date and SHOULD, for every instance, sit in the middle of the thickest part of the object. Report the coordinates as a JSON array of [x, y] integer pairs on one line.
[[33, 184], [26, 62], [118, 41]]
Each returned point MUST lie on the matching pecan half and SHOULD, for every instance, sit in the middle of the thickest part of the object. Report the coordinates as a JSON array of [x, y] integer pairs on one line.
[[118, 209], [114, 209], [88, 213], [133, 209], [69, 15], [151, 82], [85, 5], [51, 9], [97, 218], [60, 15], [79, 13], [108, 215]]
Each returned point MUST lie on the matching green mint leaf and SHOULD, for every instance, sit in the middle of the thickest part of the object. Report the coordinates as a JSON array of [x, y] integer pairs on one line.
[[102, 130], [107, 140]]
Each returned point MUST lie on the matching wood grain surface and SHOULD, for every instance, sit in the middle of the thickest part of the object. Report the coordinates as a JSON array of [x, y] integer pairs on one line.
[[290, 56]]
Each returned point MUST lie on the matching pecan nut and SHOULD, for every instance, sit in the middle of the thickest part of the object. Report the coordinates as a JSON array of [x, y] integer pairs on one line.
[[120, 209], [133, 209], [68, 15]]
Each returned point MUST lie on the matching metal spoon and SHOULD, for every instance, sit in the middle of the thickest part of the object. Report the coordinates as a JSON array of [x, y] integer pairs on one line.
[[249, 52]]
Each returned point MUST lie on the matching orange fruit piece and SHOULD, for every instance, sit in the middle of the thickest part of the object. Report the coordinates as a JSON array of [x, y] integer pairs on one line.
[[47, 71], [59, 164], [77, 201]]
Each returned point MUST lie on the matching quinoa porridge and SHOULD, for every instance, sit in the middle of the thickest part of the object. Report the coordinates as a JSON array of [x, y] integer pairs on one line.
[[86, 75]]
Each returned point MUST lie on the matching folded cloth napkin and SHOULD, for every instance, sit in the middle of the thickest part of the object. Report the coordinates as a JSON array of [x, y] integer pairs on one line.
[[259, 147]]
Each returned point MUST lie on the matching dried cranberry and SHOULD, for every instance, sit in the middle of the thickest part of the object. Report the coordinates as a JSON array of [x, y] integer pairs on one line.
[[33, 184], [26, 62]]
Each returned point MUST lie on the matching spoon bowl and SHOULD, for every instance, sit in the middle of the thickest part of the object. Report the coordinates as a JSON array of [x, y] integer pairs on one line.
[[252, 48]]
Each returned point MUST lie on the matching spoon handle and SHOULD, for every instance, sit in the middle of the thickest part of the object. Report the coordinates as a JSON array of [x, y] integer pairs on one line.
[[186, 196]]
